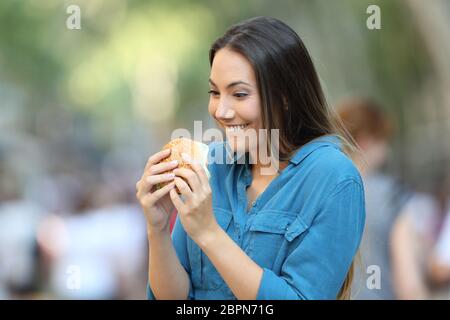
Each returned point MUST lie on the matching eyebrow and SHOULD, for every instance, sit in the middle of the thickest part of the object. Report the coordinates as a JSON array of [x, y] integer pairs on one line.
[[232, 84]]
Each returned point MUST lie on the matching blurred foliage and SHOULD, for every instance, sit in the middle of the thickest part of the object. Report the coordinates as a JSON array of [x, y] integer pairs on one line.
[[144, 64]]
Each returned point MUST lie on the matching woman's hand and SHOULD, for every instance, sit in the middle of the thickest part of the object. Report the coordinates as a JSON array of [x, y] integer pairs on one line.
[[195, 212], [156, 203]]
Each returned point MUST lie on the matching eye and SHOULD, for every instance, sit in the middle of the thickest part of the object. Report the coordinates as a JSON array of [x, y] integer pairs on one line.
[[213, 93], [240, 94]]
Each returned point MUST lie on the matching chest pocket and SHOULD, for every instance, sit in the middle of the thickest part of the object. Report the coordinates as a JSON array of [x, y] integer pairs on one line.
[[203, 273], [270, 234]]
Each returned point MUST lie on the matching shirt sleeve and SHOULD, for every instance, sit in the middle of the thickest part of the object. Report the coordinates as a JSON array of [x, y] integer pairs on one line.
[[316, 268], [179, 240]]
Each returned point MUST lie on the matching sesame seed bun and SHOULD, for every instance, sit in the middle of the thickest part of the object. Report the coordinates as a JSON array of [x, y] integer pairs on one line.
[[197, 151]]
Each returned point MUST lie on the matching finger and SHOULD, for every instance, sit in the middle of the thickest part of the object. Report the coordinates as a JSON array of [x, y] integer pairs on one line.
[[200, 171], [161, 167], [197, 168], [183, 187], [177, 202], [137, 186], [160, 178], [157, 157], [151, 198], [148, 182], [139, 189], [158, 194], [190, 176]]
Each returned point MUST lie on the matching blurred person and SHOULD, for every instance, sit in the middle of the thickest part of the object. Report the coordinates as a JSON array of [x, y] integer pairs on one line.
[[95, 252], [421, 245], [372, 129], [19, 218], [439, 261], [244, 234], [18, 224], [42, 196]]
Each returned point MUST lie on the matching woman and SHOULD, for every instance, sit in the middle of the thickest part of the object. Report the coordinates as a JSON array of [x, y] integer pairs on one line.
[[419, 245], [385, 197], [244, 234]]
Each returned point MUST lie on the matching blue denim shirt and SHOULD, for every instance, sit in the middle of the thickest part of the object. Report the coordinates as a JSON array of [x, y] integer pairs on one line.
[[303, 230]]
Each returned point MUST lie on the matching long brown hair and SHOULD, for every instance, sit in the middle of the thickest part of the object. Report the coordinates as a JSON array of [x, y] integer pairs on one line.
[[292, 98]]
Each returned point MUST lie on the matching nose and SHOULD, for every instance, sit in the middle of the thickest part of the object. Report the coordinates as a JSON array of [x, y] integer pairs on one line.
[[224, 110]]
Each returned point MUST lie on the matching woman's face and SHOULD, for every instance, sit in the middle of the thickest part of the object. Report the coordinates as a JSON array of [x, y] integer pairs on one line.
[[234, 99]]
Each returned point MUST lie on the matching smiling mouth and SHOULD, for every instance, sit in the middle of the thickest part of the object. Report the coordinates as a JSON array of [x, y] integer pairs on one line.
[[236, 128]]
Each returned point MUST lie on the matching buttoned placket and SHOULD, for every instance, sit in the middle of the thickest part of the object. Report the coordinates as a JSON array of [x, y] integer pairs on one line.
[[242, 216], [248, 180]]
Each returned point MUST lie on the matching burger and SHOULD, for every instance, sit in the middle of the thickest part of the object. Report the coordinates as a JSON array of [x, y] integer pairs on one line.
[[196, 152]]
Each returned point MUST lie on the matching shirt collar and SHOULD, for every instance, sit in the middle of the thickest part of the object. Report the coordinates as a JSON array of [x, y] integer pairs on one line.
[[308, 148], [221, 153]]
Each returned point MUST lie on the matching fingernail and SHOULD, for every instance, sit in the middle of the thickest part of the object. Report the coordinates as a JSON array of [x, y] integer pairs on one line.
[[171, 175], [174, 162]]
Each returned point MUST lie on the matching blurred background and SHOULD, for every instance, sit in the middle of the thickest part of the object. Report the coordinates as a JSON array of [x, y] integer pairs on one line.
[[81, 110]]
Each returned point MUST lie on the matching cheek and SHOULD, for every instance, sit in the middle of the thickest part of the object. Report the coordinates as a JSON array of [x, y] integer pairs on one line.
[[212, 108], [251, 111]]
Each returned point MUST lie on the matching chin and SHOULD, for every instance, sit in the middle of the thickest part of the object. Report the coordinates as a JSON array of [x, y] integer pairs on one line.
[[242, 141]]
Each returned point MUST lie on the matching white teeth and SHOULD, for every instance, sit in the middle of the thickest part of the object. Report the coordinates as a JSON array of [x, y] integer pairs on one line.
[[236, 128]]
